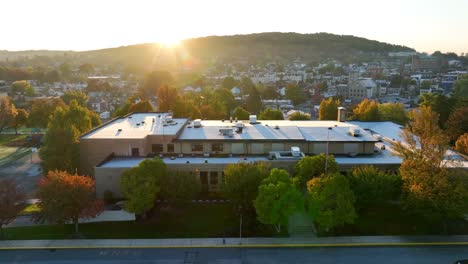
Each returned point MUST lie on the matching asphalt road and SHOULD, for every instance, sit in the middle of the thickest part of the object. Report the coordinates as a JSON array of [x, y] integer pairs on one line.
[[434, 254]]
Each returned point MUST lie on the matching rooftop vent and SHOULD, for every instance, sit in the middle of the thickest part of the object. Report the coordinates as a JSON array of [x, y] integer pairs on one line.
[[168, 119], [119, 130], [276, 127], [137, 124], [197, 123], [130, 117], [252, 119], [226, 131], [354, 131]]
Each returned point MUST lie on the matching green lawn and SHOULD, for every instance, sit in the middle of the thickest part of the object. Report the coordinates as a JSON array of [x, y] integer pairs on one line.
[[5, 138], [194, 220], [30, 209], [390, 219]]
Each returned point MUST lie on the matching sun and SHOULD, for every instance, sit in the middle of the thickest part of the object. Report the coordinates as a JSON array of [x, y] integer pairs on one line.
[[169, 41]]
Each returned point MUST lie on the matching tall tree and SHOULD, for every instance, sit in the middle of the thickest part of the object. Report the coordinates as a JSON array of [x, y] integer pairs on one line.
[[457, 123], [330, 201], [372, 186], [461, 87], [329, 109], [440, 104], [277, 199], [394, 112], [313, 166], [167, 98], [270, 114], [295, 93], [11, 202], [8, 112], [64, 197], [241, 183], [240, 113], [141, 185], [180, 187], [253, 103], [229, 82], [86, 68], [80, 97], [60, 150], [427, 187], [367, 110], [143, 106], [21, 119], [155, 80], [41, 111]]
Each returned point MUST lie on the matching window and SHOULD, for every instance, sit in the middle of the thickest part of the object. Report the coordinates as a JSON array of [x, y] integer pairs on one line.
[[135, 152], [204, 177], [197, 147], [157, 148], [217, 147], [214, 178], [170, 148]]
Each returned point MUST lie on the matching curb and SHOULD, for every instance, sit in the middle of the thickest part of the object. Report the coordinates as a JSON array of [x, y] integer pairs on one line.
[[397, 244]]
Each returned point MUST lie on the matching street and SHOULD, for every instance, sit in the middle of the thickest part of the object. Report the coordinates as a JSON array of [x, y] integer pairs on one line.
[[413, 254]]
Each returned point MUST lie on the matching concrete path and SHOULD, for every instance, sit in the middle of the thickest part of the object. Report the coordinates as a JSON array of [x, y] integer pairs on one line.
[[258, 242]]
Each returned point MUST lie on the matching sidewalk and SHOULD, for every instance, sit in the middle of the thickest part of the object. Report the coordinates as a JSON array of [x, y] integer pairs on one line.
[[361, 241]]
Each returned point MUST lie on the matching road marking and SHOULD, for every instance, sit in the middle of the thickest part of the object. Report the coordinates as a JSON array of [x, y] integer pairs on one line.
[[396, 244]]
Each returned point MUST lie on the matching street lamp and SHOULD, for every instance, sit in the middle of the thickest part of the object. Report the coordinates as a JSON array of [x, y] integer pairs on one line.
[[328, 142]]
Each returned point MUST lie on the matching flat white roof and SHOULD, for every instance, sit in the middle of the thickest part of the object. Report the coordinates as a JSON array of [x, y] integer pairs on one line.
[[267, 130], [138, 125]]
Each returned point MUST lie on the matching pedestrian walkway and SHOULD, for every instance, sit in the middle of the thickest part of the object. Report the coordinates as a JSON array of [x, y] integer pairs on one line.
[[301, 225], [360, 241]]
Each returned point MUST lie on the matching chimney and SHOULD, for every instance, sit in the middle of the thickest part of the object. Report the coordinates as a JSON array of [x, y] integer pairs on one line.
[[341, 114]]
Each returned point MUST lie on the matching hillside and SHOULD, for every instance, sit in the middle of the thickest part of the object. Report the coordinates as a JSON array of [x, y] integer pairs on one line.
[[252, 47]]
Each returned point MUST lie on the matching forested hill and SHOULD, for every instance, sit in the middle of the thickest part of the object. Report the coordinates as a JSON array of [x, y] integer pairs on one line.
[[253, 47]]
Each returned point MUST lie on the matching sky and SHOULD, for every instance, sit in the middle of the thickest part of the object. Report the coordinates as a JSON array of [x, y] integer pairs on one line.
[[425, 25]]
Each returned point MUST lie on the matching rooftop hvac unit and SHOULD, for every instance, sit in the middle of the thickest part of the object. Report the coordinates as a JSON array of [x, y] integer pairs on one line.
[[197, 123], [296, 151], [354, 131], [252, 119], [168, 119], [239, 127], [226, 131]]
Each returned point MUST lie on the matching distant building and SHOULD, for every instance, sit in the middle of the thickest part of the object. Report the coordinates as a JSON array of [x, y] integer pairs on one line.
[[363, 88], [426, 63]]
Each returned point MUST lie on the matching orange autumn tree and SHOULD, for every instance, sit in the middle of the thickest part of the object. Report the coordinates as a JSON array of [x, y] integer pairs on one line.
[[67, 198], [11, 202]]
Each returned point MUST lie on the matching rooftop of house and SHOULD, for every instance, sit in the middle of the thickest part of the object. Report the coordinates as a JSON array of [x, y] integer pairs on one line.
[[137, 125]]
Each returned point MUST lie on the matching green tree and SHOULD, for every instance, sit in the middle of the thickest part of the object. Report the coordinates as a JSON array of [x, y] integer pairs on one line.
[[367, 110], [64, 197], [457, 123], [141, 185], [8, 112], [180, 187], [313, 166], [229, 82], [330, 201], [65, 71], [270, 114], [440, 104], [154, 81], [277, 199], [394, 112], [372, 186], [143, 106], [60, 150], [427, 188], [299, 116], [461, 87], [253, 103], [241, 183], [270, 93], [80, 97], [41, 111], [329, 109], [22, 87], [222, 101], [21, 119], [167, 98], [240, 113], [295, 93], [86, 68]]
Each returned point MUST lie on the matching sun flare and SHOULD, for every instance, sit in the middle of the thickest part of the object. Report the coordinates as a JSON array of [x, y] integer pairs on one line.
[[169, 41]]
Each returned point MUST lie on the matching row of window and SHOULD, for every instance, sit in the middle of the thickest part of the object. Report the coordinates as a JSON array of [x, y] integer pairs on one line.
[[159, 148], [213, 177]]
